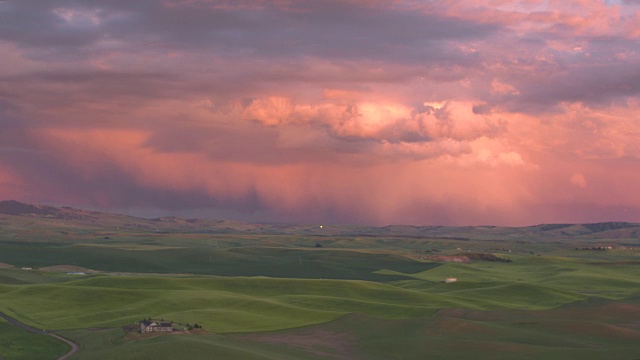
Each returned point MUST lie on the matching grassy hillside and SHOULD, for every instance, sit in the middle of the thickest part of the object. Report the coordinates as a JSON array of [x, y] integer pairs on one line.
[[222, 305], [241, 304], [99, 344], [587, 330], [240, 261], [368, 320], [19, 344], [590, 332], [269, 291]]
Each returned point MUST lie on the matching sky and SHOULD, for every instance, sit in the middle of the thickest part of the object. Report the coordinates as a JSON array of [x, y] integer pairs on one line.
[[479, 112]]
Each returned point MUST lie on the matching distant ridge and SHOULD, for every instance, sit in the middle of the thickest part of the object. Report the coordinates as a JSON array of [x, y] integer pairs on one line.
[[95, 219], [605, 226], [12, 207]]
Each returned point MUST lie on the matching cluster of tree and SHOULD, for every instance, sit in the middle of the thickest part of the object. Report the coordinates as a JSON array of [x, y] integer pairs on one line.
[[149, 319], [503, 249], [599, 248], [186, 326], [486, 257]]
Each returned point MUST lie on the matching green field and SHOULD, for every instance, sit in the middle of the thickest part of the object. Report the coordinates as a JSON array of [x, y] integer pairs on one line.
[[16, 343], [112, 344], [289, 293]]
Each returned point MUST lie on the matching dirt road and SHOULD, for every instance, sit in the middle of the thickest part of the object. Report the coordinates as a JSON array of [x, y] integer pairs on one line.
[[12, 321]]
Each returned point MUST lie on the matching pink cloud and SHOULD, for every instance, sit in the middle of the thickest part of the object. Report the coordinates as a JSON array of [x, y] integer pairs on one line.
[[489, 111], [579, 180], [384, 121], [587, 18], [521, 166], [376, 192]]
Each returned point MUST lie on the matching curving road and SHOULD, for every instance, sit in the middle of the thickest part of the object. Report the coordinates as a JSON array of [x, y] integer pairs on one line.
[[12, 321]]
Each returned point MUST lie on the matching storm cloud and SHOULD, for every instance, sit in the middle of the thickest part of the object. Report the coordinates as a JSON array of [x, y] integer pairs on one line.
[[379, 112]]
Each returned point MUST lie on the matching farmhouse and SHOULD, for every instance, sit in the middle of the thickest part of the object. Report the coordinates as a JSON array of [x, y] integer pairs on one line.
[[152, 326], [450, 280]]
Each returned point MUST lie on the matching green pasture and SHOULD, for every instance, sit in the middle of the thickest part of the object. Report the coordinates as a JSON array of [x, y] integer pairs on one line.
[[19, 344], [302, 296], [241, 261], [562, 333], [613, 279], [247, 304], [590, 331], [220, 304], [100, 344]]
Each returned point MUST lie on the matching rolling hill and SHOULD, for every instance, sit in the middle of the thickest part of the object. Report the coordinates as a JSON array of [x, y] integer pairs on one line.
[[51, 217]]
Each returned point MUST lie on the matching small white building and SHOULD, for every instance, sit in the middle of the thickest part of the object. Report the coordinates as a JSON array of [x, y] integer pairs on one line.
[[450, 280]]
